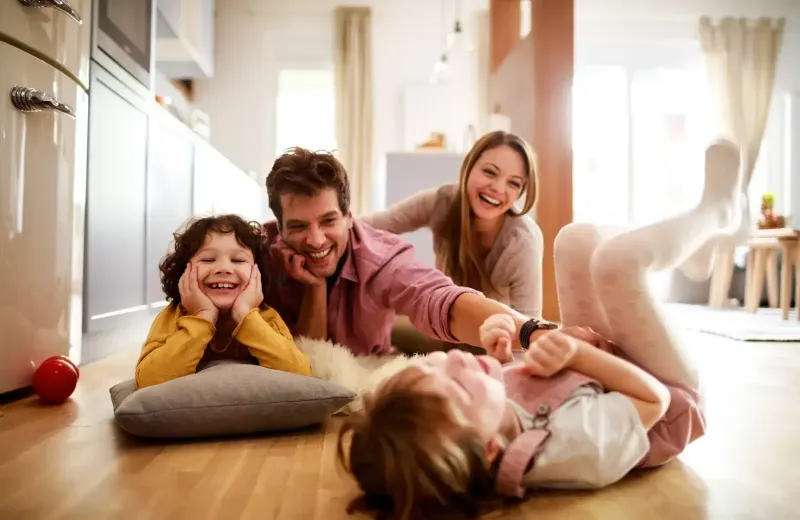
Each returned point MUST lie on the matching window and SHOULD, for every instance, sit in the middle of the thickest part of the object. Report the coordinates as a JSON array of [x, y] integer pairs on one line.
[[524, 18], [305, 110], [639, 138], [600, 142], [671, 126]]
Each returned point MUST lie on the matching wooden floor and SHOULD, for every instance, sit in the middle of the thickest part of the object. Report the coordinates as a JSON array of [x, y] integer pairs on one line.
[[70, 462]]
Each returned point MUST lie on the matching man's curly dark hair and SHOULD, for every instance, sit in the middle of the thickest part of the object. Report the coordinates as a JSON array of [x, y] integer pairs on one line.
[[189, 240]]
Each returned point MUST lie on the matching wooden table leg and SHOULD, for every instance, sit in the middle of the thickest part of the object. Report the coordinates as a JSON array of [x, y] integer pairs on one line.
[[757, 279], [748, 277], [772, 278], [796, 261], [787, 249]]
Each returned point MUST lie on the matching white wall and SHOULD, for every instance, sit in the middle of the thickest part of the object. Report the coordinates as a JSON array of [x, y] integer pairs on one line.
[[511, 88], [255, 38]]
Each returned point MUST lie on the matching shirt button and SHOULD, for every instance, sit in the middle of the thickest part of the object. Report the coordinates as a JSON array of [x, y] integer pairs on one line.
[[542, 409], [539, 423]]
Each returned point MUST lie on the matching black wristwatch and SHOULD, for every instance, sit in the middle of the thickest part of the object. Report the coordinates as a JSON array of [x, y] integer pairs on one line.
[[531, 326]]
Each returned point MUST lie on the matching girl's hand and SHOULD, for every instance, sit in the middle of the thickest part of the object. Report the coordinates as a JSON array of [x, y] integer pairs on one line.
[[550, 354], [193, 299], [250, 298], [497, 334]]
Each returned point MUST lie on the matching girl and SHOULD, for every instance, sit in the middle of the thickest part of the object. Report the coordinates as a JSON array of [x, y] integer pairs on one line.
[[214, 287], [454, 431], [479, 239]]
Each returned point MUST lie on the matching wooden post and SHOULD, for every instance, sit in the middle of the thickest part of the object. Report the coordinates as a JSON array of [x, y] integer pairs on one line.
[[553, 29], [504, 25]]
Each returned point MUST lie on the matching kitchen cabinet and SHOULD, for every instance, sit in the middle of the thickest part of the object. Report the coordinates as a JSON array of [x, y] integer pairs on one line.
[[169, 193], [221, 187], [148, 175], [116, 205], [185, 38]]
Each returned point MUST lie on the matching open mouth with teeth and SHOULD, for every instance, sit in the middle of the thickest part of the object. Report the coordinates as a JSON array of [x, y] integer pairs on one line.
[[222, 287], [319, 257], [489, 200]]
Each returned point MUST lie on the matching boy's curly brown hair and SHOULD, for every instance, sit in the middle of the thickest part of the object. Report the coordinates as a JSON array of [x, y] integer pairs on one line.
[[191, 238]]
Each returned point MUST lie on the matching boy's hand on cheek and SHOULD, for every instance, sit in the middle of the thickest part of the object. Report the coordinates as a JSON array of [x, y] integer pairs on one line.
[[250, 298], [193, 299]]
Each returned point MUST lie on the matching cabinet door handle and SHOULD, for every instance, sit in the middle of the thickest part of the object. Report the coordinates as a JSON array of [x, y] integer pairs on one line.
[[31, 100], [59, 5]]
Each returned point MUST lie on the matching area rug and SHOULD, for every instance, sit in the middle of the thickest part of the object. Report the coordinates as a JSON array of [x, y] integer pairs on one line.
[[738, 324]]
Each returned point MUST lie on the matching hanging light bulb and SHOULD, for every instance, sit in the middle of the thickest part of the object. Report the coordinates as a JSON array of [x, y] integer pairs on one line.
[[452, 36], [457, 37], [440, 69]]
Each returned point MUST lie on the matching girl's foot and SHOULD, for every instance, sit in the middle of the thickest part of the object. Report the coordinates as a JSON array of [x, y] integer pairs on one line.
[[722, 192], [721, 202]]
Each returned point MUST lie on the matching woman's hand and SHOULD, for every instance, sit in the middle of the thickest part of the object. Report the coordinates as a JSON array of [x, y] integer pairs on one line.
[[497, 335], [295, 264], [193, 299], [250, 298], [550, 354]]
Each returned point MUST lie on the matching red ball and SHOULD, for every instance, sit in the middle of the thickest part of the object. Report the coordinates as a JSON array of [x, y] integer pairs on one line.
[[68, 360], [55, 380]]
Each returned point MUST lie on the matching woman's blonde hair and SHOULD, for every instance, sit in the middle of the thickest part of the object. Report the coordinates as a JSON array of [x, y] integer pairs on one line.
[[414, 455], [457, 254]]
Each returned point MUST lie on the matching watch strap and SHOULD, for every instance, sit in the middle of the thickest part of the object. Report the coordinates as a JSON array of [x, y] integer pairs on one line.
[[531, 326]]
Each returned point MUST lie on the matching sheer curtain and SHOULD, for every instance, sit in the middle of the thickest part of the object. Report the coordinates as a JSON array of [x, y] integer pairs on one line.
[[353, 79], [741, 57]]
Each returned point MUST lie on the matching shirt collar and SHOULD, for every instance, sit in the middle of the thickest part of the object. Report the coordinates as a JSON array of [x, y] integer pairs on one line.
[[349, 271]]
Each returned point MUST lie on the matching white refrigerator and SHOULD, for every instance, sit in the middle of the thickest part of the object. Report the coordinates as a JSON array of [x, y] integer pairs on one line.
[[44, 74]]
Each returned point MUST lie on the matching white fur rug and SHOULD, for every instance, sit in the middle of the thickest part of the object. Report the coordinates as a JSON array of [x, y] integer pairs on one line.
[[335, 363]]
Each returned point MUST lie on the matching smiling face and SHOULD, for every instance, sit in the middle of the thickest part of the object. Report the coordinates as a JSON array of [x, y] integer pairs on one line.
[[315, 227], [496, 181], [223, 268], [473, 383]]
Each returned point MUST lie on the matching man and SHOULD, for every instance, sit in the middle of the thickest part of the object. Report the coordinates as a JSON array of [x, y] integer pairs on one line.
[[334, 277]]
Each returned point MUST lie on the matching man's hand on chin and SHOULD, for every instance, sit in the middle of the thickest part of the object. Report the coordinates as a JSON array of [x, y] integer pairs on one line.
[[294, 264]]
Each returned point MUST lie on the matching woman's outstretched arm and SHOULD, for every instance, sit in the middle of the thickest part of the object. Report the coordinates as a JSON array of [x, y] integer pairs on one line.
[[408, 215]]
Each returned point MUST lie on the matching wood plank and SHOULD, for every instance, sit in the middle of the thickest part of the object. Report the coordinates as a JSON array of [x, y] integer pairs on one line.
[[784, 232], [504, 29], [553, 29]]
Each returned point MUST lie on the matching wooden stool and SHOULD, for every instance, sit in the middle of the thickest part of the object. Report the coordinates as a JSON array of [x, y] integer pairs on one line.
[[764, 245]]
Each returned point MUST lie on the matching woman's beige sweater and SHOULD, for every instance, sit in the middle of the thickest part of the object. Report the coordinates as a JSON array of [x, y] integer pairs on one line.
[[514, 262]]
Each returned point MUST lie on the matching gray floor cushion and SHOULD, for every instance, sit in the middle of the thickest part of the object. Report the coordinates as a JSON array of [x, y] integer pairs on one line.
[[226, 399]]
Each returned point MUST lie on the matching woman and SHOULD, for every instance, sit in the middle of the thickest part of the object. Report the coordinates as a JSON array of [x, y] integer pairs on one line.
[[480, 240]]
